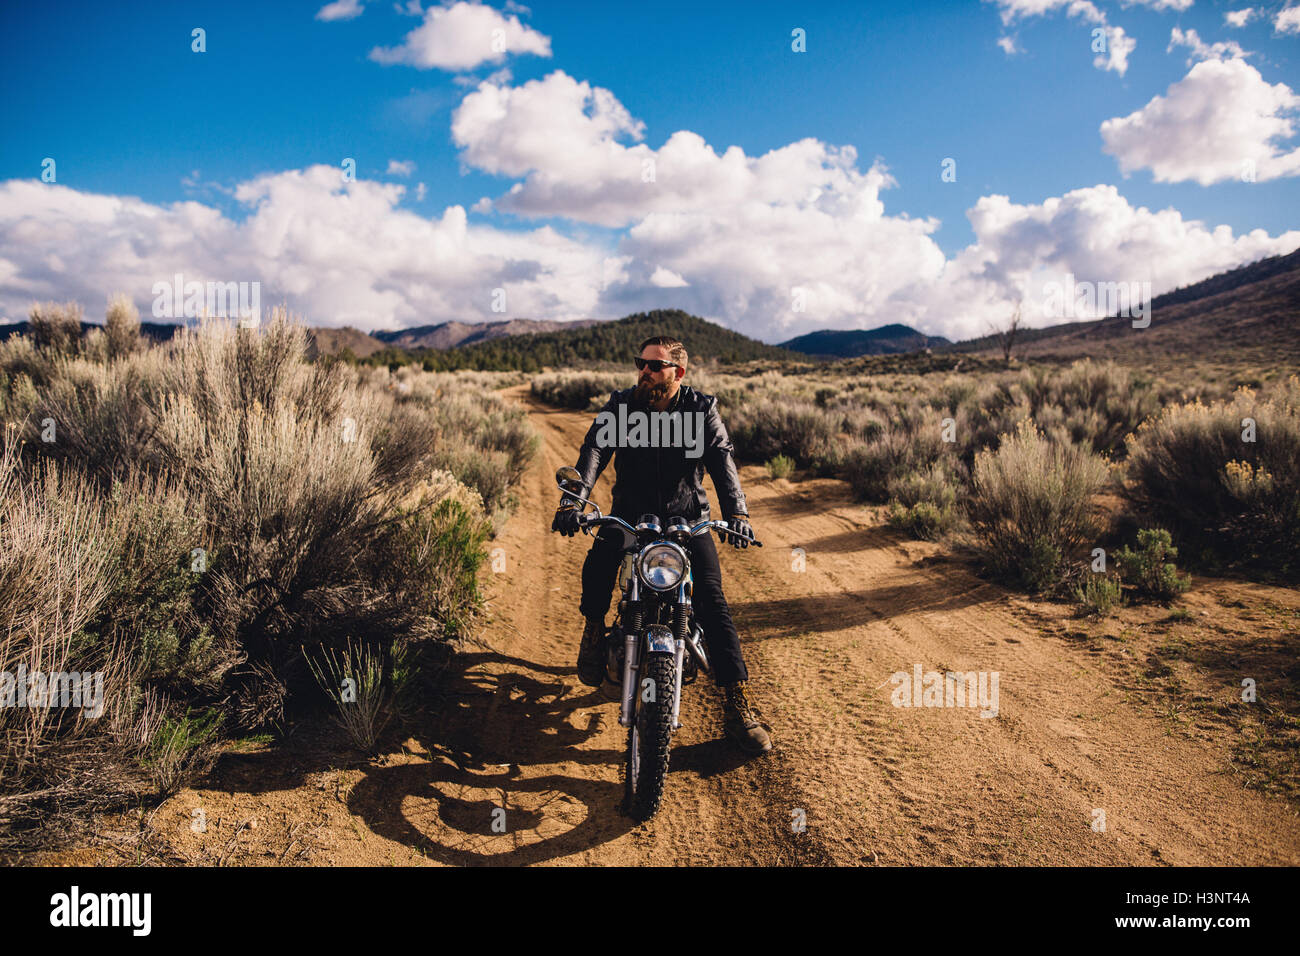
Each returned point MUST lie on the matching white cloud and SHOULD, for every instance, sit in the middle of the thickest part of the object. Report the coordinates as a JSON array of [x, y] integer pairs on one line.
[[400, 167], [747, 236], [339, 253], [461, 37], [1238, 18], [1287, 21], [563, 138], [1008, 45], [1013, 10], [1178, 5], [421, 191], [1118, 47], [340, 10], [667, 279], [1092, 233], [1118, 44], [1219, 117], [348, 254], [1201, 50]]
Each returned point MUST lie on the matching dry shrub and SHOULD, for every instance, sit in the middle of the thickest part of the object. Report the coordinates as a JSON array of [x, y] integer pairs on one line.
[[56, 327], [210, 508], [1030, 507], [122, 326], [764, 428], [577, 389], [1195, 471]]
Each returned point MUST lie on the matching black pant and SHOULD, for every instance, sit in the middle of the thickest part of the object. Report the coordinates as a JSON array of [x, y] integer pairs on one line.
[[600, 571]]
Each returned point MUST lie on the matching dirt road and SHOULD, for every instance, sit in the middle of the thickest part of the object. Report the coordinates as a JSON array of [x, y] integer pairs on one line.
[[1074, 738]]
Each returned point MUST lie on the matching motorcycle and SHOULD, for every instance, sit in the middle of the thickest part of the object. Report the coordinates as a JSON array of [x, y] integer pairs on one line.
[[654, 647]]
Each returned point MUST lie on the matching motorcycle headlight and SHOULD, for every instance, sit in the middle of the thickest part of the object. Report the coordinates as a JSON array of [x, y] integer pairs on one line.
[[661, 566]]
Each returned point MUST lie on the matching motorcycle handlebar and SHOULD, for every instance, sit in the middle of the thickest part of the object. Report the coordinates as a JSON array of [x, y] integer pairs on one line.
[[587, 521]]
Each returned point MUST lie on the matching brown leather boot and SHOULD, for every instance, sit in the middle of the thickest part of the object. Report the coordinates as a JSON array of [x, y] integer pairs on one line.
[[740, 720], [591, 653]]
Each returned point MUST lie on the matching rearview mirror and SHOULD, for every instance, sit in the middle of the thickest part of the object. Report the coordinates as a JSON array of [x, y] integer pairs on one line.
[[567, 475]]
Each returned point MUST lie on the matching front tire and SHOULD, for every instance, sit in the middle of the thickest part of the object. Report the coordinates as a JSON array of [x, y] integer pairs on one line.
[[649, 739]]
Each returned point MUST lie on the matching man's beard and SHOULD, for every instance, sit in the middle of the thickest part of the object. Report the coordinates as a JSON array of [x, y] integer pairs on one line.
[[648, 394]]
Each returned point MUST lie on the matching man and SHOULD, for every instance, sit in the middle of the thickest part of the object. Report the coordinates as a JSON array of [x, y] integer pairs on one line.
[[668, 481]]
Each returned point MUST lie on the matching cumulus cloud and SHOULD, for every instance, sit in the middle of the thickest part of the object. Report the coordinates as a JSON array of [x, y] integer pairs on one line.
[[798, 238], [462, 36], [340, 253], [1221, 119], [1094, 234], [1203, 51], [667, 279], [1117, 44], [340, 10], [1008, 45], [1287, 21], [1238, 18], [400, 167], [562, 138], [346, 253], [1117, 48], [1177, 5]]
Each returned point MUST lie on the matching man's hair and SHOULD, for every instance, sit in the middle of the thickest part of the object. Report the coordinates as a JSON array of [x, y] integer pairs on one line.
[[675, 348]]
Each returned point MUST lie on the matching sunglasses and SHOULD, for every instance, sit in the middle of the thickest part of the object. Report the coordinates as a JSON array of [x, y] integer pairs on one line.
[[656, 365]]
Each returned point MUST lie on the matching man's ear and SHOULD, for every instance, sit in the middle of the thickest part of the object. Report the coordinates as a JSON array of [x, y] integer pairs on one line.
[[681, 373]]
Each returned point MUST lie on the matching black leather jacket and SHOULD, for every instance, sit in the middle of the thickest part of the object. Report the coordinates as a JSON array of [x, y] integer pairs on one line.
[[665, 481]]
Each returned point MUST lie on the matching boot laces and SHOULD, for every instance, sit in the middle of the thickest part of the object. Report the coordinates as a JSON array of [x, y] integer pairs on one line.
[[739, 702]]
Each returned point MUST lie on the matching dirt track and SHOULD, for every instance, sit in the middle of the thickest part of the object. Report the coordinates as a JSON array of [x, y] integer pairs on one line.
[[877, 783]]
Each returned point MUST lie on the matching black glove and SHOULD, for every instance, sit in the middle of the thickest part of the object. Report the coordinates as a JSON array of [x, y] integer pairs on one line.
[[740, 525], [566, 520]]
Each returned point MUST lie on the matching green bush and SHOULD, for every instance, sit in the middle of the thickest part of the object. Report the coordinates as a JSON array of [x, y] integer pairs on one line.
[[923, 520], [781, 466], [1099, 593], [1030, 507], [924, 503], [1151, 567]]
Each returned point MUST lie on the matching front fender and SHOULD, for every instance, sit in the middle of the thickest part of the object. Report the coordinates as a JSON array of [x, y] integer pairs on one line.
[[659, 638]]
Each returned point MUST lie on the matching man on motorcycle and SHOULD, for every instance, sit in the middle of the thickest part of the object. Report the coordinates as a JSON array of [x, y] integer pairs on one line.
[[668, 481]]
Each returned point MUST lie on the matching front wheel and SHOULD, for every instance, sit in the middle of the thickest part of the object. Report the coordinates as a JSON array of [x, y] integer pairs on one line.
[[649, 737]]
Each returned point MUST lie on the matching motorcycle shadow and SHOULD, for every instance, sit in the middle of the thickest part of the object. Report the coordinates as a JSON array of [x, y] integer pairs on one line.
[[491, 793]]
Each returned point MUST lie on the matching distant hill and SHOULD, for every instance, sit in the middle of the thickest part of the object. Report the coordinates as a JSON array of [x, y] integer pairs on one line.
[[607, 342], [448, 335], [158, 331], [1248, 314], [332, 341], [850, 343]]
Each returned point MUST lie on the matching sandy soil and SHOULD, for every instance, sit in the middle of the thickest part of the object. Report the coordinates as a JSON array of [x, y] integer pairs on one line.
[[1085, 724]]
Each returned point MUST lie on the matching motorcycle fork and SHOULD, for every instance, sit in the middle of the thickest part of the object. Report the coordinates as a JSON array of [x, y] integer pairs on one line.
[[680, 614], [631, 651]]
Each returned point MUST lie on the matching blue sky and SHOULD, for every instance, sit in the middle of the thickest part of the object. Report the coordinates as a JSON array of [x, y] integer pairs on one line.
[[144, 131]]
